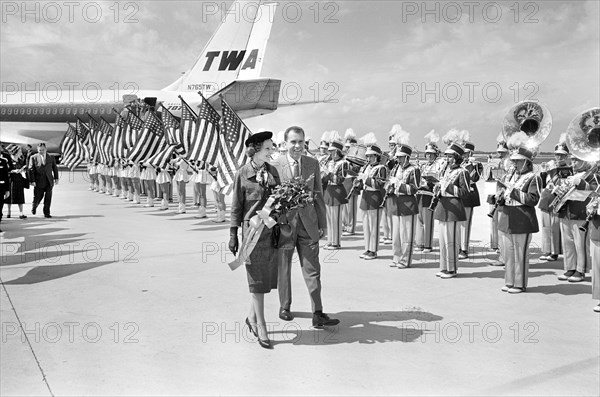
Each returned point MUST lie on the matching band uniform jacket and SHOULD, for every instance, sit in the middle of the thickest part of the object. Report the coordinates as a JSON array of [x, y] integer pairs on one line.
[[517, 214], [313, 216], [575, 210], [372, 195], [550, 179], [43, 174], [475, 169], [434, 169], [335, 192], [454, 186], [403, 200]]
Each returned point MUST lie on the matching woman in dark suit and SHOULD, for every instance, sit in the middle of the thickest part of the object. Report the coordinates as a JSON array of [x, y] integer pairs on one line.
[[252, 187], [18, 182]]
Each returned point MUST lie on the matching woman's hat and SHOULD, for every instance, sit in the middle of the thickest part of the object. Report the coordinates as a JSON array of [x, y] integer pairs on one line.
[[259, 137], [403, 150], [373, 149], [455, 148], [561, 148], [522, 153], [431, 148]]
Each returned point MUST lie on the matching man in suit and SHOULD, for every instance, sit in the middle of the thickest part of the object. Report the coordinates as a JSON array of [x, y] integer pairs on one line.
[[43, 174], [308, 225]]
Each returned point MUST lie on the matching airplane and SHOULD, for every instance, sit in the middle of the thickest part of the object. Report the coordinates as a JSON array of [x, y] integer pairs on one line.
[[229, 65]]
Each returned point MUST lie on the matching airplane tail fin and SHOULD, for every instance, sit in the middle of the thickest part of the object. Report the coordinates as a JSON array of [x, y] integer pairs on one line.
[[235, 51]]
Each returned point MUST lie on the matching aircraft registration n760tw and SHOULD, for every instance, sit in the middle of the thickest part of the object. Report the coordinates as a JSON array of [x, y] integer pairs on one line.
[[228, 66]]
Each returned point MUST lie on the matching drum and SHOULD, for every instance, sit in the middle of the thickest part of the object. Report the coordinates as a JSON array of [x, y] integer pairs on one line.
[[356, 154]]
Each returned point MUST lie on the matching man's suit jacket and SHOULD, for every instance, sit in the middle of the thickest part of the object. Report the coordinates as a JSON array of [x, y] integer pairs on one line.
[[313, 216], [43, 175]]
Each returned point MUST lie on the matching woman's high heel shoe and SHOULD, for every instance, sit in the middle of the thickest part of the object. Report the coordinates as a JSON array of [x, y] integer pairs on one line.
[[250, 327], [265, 343]]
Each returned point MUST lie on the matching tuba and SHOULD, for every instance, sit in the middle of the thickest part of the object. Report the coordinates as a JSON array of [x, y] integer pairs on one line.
[[583, 141], [532, 118]]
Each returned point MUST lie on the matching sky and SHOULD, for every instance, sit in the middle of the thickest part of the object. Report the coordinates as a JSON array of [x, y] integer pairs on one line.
[[423, 65]]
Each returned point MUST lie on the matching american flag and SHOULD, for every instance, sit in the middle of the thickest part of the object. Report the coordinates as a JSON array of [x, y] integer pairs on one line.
[[72, 149], [118, 146], [172, 127], [134, 130], [232, 150], [188, 125], [161, 158], [104, 139], [204, 143], [151, 141]]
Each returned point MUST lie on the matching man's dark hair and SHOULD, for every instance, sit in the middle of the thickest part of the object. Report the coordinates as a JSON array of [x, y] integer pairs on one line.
[[41, 144], [293, 128]]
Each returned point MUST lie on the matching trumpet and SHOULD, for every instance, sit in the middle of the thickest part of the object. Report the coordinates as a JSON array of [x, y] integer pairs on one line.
[[500, 200]]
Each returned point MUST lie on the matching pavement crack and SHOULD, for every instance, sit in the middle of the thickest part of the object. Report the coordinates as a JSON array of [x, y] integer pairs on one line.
[[27, 338]]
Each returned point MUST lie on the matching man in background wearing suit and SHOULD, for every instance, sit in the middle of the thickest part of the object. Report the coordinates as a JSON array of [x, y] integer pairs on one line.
[[5, 167], [309, 224], [43, 174]]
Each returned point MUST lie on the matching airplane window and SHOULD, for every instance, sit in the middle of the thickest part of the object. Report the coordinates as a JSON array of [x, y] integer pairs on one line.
[[102, 110], [35, 110], [61, 111], [95, 110], [69, 110], [82, 110], [22, 110], [3, 111], [28, 110], [54, 111], [47, 110]]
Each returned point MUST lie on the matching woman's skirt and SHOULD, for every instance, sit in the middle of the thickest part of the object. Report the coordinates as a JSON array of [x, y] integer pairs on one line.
[[261, 267]]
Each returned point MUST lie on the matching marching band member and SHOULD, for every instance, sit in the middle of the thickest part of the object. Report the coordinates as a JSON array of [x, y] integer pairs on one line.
[[181, 178], [93, 172], [117, 177], [593, 212], [433, 168], [137, 184], [148, 178], [447, 201], [218, 195], [402, 203], [571, 216], [557, 172], [371, 179], [335, 193], [386, 218], [517, 218], [200, 183], [497, 172], [471, 200], [349, 211], [108, 175], [324, 156], [163, 179], [126, 180]]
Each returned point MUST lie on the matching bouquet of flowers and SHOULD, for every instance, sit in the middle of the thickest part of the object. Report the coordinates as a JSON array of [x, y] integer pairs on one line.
[[289, 196]]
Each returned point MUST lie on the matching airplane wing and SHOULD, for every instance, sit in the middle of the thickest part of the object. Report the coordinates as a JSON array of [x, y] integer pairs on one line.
[[249, 98]]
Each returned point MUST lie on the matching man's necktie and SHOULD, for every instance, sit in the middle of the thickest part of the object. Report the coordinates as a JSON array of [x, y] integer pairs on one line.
[[43, 161], [296, 169]]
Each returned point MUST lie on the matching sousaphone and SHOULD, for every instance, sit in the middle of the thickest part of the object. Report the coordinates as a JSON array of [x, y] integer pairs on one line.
[[583, 135], [532, 118]]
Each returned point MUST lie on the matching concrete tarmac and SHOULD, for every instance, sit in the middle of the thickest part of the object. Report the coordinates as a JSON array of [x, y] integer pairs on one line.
[[111, 298]]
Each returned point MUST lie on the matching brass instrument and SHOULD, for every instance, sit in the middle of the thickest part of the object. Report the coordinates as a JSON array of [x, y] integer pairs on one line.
[[500, 193], [532, 118], [592, 209], [357, 184], [564, 191], [583, 141]]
